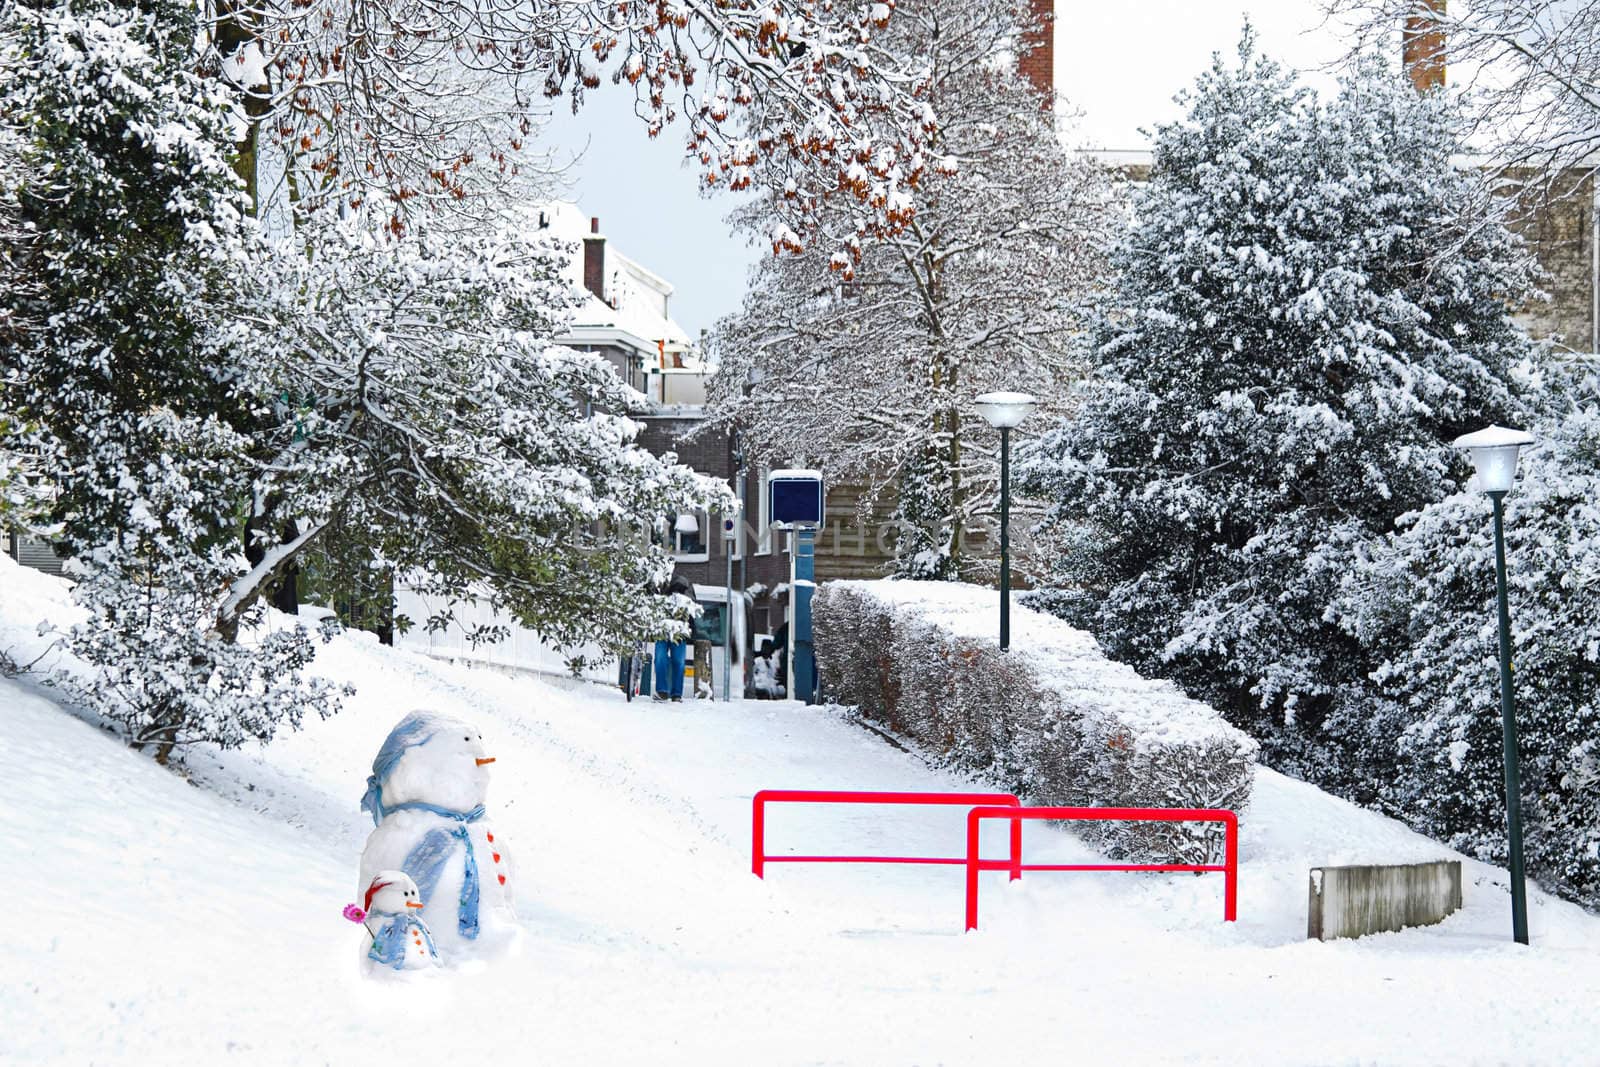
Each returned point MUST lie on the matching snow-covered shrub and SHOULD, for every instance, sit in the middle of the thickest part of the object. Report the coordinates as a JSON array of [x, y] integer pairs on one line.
[[1052, 719], [156, 665], [1424, 602], [1312, 301], [166, 681]]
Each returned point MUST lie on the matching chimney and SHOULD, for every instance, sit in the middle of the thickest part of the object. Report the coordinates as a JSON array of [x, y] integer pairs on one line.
[[1422, 46], [1039, 50], [594, 261]]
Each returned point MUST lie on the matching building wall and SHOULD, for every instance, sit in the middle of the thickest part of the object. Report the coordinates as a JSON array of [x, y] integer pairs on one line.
[[858, 541], [32, 552], [1039, 60], [711, 453], [1557, 219]]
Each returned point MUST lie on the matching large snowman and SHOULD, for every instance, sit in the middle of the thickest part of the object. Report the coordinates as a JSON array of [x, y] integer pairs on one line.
[[426, 794]]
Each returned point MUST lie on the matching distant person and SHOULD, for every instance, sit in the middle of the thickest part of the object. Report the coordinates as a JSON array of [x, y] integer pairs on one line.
[[780, 640], [670, 655]]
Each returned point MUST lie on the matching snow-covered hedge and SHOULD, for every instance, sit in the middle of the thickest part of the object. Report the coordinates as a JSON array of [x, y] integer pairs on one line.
[[1052, 720]]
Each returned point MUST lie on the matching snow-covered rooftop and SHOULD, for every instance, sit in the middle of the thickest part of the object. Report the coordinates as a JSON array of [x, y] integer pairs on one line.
[[638, 315]]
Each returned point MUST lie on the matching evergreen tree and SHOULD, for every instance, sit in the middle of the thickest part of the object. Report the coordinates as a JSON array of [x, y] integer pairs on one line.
[[123, 383], [181, 382], [1311, 302], [1423, 603], [130, 242]]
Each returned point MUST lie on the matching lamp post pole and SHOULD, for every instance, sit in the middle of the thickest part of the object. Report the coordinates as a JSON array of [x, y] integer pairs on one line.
[[1508, 721], [1005, 538], [1003, 411], [1494, 460]]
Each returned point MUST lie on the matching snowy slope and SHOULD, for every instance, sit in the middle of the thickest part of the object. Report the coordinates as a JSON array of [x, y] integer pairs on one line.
[[162, 921]]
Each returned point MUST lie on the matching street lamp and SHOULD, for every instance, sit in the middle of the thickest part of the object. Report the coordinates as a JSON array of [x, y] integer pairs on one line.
[[1003, 411], [1494, 459]]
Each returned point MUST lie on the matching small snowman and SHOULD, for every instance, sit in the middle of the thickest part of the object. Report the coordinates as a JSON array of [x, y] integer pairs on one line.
[[397, 936], [427, 793]]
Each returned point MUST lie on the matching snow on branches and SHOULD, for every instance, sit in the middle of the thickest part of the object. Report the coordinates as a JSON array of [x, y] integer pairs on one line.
[[405, 102], [1424, 600], [1312, 304], [152, 661], [883, 339], [131, 244], [129, 234], [423, 409], [1532, 68]]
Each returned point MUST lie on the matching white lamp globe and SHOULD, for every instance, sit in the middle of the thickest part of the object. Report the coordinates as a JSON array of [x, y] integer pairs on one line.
[[1005, 410], [1494, 456]]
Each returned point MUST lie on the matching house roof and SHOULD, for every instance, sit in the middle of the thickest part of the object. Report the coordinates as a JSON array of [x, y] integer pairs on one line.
[[638, 316]]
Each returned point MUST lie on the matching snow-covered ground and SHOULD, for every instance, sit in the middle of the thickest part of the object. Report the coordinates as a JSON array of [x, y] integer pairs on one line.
[[157, 920]]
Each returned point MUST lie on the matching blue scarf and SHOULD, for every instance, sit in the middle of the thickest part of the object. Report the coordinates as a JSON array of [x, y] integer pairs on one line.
[[390, 942], [425, 862]]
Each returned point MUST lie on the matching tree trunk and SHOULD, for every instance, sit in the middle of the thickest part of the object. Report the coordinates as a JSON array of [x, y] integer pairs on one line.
[[234, 28], [283, 591]]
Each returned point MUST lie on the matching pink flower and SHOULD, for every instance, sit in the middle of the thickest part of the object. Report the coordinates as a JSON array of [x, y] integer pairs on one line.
[[354, 913]]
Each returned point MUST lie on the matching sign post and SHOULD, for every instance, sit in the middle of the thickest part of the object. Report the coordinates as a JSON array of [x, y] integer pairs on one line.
[[795, 502], [730, 535]]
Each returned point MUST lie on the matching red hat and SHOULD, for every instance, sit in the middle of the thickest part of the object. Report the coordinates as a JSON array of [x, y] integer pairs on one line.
[[366, 905]]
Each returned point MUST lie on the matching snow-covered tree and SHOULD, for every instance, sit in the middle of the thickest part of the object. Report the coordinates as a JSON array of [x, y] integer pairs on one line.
[[1533, 68], [22, 483], [121, 379], [152, 661], [1423, 602], [1312, 299], [864, 361], [423, 411], [181, 381], [396, 103], [130, 239]]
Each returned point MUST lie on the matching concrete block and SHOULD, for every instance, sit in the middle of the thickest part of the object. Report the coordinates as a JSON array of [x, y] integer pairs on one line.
[[1352, 901]]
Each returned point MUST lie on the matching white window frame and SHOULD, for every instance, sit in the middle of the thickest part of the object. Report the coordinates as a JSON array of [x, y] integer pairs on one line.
[[738, 533], [705, 540]]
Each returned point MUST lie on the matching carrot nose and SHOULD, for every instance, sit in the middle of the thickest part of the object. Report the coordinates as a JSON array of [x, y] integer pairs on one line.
[[413, 903], [483, 761]]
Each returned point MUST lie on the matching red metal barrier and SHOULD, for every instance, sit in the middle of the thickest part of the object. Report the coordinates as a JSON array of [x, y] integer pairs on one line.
[[759, 858], [1229, 866]]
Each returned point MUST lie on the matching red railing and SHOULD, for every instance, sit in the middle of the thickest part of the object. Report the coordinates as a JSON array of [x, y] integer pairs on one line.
[[994, 801], [1229, 867]]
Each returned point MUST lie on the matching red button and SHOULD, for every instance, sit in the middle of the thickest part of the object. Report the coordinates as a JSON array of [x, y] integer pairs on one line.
[[490, 837], [502, 879], [497, 857]]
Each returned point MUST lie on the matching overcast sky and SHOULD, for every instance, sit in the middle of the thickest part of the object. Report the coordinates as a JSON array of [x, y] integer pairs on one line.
[[1120, 63]]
